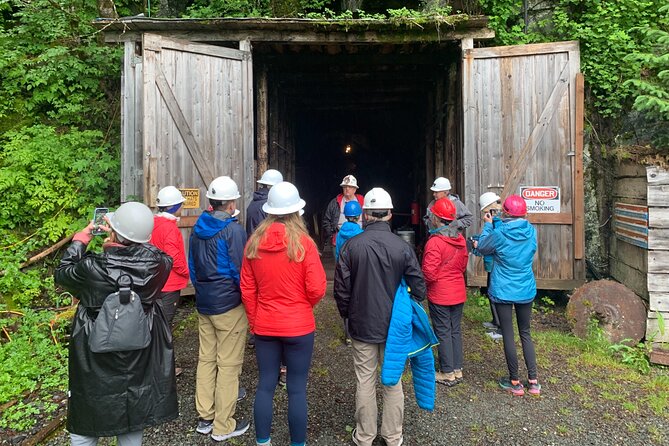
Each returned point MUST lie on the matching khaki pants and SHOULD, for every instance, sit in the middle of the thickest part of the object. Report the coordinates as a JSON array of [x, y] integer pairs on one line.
[[366, 360], [222, 340]]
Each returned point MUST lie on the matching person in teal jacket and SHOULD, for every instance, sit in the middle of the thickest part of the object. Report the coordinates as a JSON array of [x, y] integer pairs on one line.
[[490, 203], [512, 285], [351, 228]]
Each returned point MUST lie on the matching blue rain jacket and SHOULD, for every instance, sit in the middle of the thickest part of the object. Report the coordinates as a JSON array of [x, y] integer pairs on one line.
[[347, 231], [512, 245], [410, 336], [214, 261]]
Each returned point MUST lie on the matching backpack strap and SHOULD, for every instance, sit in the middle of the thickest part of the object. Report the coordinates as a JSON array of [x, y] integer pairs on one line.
[[124, 284]]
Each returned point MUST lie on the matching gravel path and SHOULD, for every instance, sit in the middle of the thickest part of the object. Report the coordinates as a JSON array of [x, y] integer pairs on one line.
[[475, 412]]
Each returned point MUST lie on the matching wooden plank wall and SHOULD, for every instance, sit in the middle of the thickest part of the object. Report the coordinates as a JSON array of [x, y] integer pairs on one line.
[[629, 263], [658, 252], [513, 109]]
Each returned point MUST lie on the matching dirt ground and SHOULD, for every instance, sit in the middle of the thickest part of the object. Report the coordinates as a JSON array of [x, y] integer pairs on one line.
[[583, 402]]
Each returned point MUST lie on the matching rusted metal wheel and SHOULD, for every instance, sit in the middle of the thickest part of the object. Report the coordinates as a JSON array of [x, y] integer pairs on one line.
[[618, 311]]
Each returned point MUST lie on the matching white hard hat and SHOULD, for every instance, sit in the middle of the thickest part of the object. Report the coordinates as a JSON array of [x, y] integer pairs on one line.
[[133, 221], [270, 177], [487, 199], [441, 184], [283, 199], [169, 196], [349, 180], [378, 198], [223, 189]]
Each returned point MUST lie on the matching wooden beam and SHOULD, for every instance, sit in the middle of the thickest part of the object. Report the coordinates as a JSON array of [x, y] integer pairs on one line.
[[563, 218], [578, 182], [154, 42], [522, 50], [262, 121], [542, 284]]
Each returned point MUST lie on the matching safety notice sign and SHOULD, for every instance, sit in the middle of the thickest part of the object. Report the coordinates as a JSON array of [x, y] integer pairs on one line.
[[541, 199], [192, 197]]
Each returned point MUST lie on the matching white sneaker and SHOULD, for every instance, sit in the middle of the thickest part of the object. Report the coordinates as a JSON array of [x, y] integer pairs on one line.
[[240, 429], [494, 335]]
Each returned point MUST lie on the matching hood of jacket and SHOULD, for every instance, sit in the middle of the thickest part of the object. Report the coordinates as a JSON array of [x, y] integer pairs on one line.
[[349, 230], [261, 194], [274, 239], [210, 223], [518, 229]]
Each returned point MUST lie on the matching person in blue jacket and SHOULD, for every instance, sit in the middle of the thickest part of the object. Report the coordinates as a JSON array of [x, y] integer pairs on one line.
[[490, 203], [512, 285], [214, 261], [351, 228]]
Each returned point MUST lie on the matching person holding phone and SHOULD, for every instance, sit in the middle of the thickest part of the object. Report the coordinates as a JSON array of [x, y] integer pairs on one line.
[[117, 393], [512, 286]]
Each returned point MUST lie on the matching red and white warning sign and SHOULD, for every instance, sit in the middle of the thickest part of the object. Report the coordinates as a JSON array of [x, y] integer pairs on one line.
[[541, 199]]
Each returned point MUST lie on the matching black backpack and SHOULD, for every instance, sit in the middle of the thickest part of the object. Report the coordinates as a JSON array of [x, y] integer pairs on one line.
[[121, 325]]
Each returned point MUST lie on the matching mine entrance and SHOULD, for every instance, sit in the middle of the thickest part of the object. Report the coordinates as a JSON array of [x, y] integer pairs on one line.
[[379, 112]]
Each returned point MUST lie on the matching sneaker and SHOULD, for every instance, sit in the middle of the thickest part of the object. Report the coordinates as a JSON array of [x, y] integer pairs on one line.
[[515, 388], [533, 387], [490, 326], [241, 394], [204, 427], [495, 336], [282, 377], [355, 442], [458, 375], [447, 379], [240, 429], [348, 342]]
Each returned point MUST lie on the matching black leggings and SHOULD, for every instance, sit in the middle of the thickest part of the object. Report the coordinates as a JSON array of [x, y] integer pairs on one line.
[[523, 317]]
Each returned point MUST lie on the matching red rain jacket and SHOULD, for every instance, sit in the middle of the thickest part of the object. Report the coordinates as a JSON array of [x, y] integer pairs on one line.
[[444, 265], [167, 237], [279, 295]]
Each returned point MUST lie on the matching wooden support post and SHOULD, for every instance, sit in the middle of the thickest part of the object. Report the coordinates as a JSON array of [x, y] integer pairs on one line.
[[579, 207], [262, 119]]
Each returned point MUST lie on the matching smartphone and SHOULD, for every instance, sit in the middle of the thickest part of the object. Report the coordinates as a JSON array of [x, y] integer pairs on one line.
[[99, 220]]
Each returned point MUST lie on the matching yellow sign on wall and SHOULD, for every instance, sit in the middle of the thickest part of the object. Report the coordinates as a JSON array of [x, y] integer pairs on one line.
[[192, 197]]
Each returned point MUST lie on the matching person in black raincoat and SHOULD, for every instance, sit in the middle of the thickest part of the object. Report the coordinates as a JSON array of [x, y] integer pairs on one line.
[[118, 393]]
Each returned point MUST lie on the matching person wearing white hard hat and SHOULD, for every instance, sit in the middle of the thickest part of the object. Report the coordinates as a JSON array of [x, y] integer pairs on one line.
[[254, 213], [167, 237], [441, 188], [113, 383], [334, 217], [489, 202], [282, 280], [215, 260], [370, 269]]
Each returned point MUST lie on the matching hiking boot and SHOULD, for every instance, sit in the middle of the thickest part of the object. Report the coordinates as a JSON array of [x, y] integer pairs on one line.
[[490, 326], [533, 387], [283, 377], [240, 429], [204, 427], [495, 336], [447, 379], [514, 387], [241, 394], [458, 375]]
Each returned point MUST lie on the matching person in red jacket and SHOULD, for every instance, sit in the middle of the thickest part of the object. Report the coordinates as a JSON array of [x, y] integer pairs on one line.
[[444, 264], [167, 237], [282, 279]]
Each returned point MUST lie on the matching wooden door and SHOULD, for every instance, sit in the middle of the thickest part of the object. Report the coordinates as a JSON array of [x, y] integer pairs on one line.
[[197, 118], [522, 128]]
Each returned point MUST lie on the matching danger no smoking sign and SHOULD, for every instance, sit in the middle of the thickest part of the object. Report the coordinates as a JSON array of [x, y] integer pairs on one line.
[[541, 199]]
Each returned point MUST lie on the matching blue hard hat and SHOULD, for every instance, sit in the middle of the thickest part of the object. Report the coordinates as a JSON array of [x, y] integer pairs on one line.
[[352, 209]]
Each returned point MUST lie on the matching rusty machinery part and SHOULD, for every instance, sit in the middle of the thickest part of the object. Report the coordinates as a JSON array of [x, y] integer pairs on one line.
[[619, 312]]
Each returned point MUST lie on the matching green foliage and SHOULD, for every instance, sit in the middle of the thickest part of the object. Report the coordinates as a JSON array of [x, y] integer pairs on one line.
[[33, 359], [635, 356]]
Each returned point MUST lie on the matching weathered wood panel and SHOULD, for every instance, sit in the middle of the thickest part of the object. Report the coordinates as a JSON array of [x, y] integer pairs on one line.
[[519, 113], [658, 195], [131, 125], [658, 217], [653, 326], [658, 261], [659, 302], [656, 175], [629, 266], [658, 281], [658, 238]]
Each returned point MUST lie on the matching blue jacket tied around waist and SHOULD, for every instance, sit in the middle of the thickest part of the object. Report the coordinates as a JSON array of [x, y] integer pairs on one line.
[[410, 336], [214, 260]]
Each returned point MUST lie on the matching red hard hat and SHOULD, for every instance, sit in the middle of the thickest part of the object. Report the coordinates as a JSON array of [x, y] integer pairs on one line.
[[515, 206], [444, 209]]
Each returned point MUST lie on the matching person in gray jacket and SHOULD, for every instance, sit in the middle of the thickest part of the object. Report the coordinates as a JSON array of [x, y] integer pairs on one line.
[[441, 188]]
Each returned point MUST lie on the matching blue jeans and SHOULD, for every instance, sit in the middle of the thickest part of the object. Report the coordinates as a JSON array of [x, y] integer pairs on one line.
[[296, 352]]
